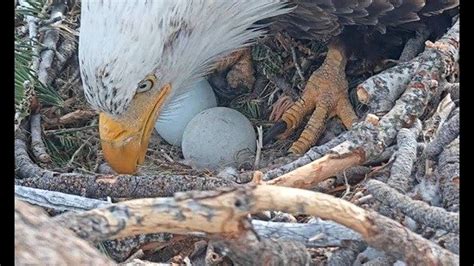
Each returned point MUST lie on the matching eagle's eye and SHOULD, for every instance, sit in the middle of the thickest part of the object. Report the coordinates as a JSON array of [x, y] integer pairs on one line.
[[146, 84]]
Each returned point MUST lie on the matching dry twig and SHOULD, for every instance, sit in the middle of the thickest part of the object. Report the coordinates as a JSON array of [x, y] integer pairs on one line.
[[37, 145], [100, 186]]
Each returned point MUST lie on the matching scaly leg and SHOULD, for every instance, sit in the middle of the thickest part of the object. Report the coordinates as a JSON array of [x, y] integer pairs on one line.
[[326, 94], [313, 130]]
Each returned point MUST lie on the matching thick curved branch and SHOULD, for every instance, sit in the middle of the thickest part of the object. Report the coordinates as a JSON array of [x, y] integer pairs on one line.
[[224, 213], [319, 233]]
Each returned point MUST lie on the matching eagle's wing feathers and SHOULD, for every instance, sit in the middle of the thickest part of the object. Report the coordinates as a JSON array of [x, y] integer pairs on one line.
[[323, 19]]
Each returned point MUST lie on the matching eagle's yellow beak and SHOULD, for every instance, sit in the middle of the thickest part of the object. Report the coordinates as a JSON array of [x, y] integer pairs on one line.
[[125, 139]]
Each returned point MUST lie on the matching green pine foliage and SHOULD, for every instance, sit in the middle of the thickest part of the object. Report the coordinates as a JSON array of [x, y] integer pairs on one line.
[[26, 80], [32, 8]]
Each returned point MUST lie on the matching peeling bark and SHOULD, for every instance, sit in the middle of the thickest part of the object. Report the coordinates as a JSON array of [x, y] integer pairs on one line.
[[311, 174]]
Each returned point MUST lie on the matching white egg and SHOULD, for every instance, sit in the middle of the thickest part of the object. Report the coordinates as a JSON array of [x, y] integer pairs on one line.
[[218, 137], [177, 113]]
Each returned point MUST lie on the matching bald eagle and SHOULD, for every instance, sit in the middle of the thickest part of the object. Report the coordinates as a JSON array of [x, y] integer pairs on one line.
[[137, 56]]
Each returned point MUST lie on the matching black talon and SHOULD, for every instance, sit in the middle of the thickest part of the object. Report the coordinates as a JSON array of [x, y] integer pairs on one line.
[[274, 131]]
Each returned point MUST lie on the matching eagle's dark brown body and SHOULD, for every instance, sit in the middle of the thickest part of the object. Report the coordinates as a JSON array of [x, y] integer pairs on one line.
[[323, 19]]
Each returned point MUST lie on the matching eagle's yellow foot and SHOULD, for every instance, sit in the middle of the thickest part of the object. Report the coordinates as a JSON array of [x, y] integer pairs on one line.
[[325, 96], [241, 71]]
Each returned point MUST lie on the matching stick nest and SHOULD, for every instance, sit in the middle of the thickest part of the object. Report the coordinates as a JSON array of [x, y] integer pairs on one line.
[[281, 67]]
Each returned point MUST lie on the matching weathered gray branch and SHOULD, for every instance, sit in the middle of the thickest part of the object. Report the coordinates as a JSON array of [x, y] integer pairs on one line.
[[453, 89], [101, 186], [417, 210], [380, 92], [51, 38], [446, 134], [448, 175], [57, 200], [400, 173]]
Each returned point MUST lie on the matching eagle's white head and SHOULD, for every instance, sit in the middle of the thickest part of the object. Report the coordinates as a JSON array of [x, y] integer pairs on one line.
[[136, 55]]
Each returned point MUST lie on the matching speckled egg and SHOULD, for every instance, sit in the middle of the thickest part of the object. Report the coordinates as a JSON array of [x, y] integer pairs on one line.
[[177, 113], [218, 137]]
